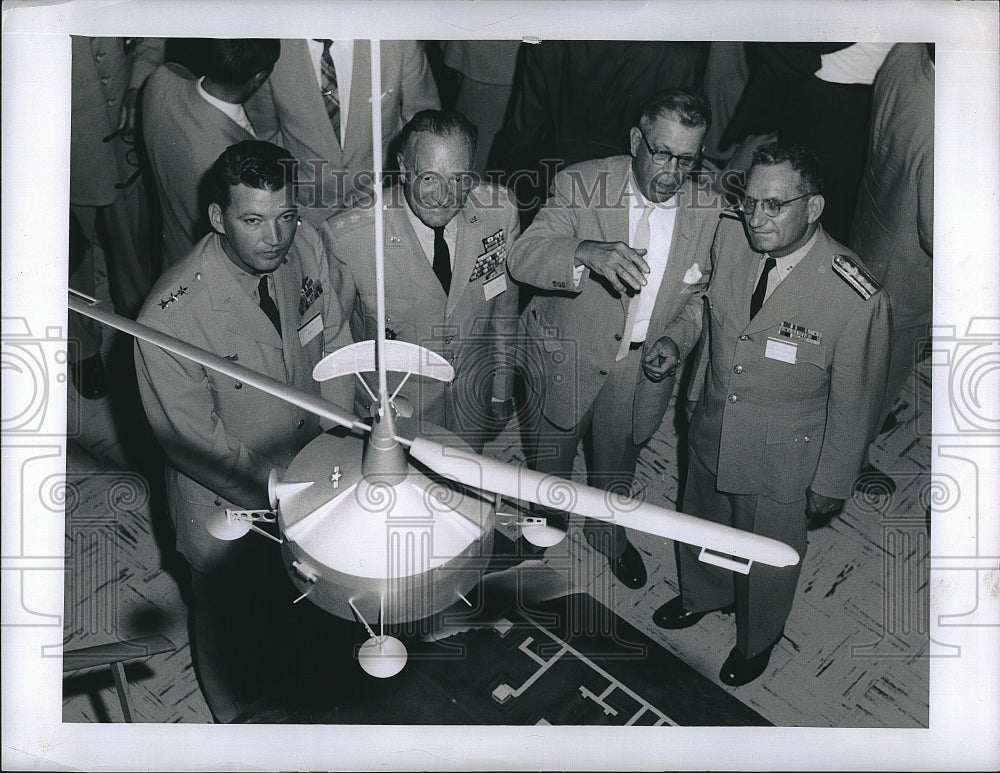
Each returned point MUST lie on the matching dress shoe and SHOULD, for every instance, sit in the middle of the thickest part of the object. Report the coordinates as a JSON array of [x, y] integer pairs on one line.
[[738, 670], [673, 616], [89, 377], [628, 568]]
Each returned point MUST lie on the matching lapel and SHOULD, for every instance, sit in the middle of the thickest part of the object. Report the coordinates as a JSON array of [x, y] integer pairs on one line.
[[359, 112], [786, 302], [243, 316], [404, 253], [613, 220], [299, 83], [468, 247]]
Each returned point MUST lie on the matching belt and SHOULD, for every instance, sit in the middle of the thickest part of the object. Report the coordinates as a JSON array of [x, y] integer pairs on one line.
[[635, 345]]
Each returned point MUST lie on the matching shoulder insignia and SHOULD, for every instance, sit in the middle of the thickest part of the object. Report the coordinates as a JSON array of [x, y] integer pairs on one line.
[[857, 276]]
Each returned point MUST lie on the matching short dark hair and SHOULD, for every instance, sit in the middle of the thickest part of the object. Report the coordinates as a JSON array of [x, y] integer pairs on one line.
[[234, 61], [442, 123], [800, 158], [254, 163], [687, 104]]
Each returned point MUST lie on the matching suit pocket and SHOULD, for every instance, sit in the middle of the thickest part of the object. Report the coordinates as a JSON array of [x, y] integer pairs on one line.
[[540, 330]]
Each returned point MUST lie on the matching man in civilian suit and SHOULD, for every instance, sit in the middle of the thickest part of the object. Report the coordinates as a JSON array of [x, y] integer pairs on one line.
[[188, 122], [798, 347], [620, 257], [320, 95], [446, 281]]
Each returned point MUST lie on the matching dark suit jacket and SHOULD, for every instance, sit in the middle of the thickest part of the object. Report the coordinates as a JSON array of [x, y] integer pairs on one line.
[[576, 332]]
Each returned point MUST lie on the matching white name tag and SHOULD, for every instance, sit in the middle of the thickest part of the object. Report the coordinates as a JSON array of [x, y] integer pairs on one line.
[[780, 350], [311, 329], [495, 286]]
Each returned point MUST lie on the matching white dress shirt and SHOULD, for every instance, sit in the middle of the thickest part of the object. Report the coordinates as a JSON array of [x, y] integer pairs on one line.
[[661, 233], [235, 112], [342, 53]]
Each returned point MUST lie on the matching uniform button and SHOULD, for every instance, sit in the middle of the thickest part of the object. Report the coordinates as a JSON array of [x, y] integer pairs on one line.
[[105, 81], [239, 385], [733, 398], [806, 438], [197, 277], [301, 424], [738, 369], [99, 57], [618, 337], [110, 102], [603, 372], [218, 502], [744, 338]]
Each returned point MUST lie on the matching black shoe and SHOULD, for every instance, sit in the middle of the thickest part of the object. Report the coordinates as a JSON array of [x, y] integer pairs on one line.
[[628, 568], [673, 616], [738, 670], [89, 377]]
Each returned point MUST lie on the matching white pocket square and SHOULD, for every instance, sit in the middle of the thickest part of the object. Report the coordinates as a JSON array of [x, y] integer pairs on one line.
[[693, 274]]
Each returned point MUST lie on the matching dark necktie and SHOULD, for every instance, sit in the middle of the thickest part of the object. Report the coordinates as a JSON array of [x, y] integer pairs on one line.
[[757, 299], [328, 85], [267, 304], [442, 259]]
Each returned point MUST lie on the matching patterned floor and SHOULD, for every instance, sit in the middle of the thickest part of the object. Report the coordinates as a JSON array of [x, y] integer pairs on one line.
[[854, 654]]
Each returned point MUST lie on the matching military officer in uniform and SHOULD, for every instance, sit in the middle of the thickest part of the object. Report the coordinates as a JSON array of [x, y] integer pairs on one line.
[[446, 281], [256, 291], [797, 356], [620, 257]]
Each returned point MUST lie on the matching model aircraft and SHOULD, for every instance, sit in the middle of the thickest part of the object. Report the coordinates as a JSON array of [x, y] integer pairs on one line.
[[385, 527]]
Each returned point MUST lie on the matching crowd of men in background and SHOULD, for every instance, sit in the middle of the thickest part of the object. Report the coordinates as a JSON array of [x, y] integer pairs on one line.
[[565, 230]]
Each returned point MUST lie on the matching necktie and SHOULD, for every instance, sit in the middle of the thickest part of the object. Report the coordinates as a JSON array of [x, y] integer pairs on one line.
[[640, 241], [757, 299], [267, 304], [442, 259], [328, 85]]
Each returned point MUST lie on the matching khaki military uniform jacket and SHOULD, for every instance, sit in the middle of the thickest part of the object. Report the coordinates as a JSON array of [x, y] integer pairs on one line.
[[222, 437], [791, 398], [576, 331], [473, 326]]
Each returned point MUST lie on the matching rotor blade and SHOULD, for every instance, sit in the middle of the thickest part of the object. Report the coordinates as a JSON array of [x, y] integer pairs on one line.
[[560, 494], [281, 390]]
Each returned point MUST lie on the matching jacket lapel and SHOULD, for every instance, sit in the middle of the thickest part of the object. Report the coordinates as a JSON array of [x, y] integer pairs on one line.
[[403, 251], [679, 259], [468, 247], [787, 300], [359, 113]]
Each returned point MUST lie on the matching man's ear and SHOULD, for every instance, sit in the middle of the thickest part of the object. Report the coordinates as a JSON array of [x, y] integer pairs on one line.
[[634, 138], [257, 81], [401, 162], [215, 218], [815, 207]]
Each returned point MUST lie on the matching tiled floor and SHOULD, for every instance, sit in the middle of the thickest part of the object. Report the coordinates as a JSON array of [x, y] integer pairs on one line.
[[856, 644]]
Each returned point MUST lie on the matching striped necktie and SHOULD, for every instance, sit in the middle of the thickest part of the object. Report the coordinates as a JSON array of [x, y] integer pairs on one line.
[[328, 85]]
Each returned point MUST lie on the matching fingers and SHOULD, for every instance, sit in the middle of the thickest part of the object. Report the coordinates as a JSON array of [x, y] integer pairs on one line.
[[621, 265]]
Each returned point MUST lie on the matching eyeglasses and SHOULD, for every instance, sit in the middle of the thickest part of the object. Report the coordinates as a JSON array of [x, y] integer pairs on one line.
[[664, 157], [770, 207], [433, 187]]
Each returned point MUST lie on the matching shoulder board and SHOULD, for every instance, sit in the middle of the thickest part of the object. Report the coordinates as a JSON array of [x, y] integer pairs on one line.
[[856, 276], [351, 219]]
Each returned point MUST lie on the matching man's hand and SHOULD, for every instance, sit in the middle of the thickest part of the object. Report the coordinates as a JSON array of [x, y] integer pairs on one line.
[[126, 119], [617, 262], [660, 359], [820, 510]]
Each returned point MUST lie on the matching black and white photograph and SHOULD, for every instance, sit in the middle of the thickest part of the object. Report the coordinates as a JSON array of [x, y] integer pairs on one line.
[[493, 385]]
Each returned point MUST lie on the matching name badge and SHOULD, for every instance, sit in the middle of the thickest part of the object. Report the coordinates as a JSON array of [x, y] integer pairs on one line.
[[495, 286], [311, 329], [780, 350]]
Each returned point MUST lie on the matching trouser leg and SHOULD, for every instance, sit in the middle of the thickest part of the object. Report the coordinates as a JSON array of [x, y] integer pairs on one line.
[[703, 586], [764, 597]]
